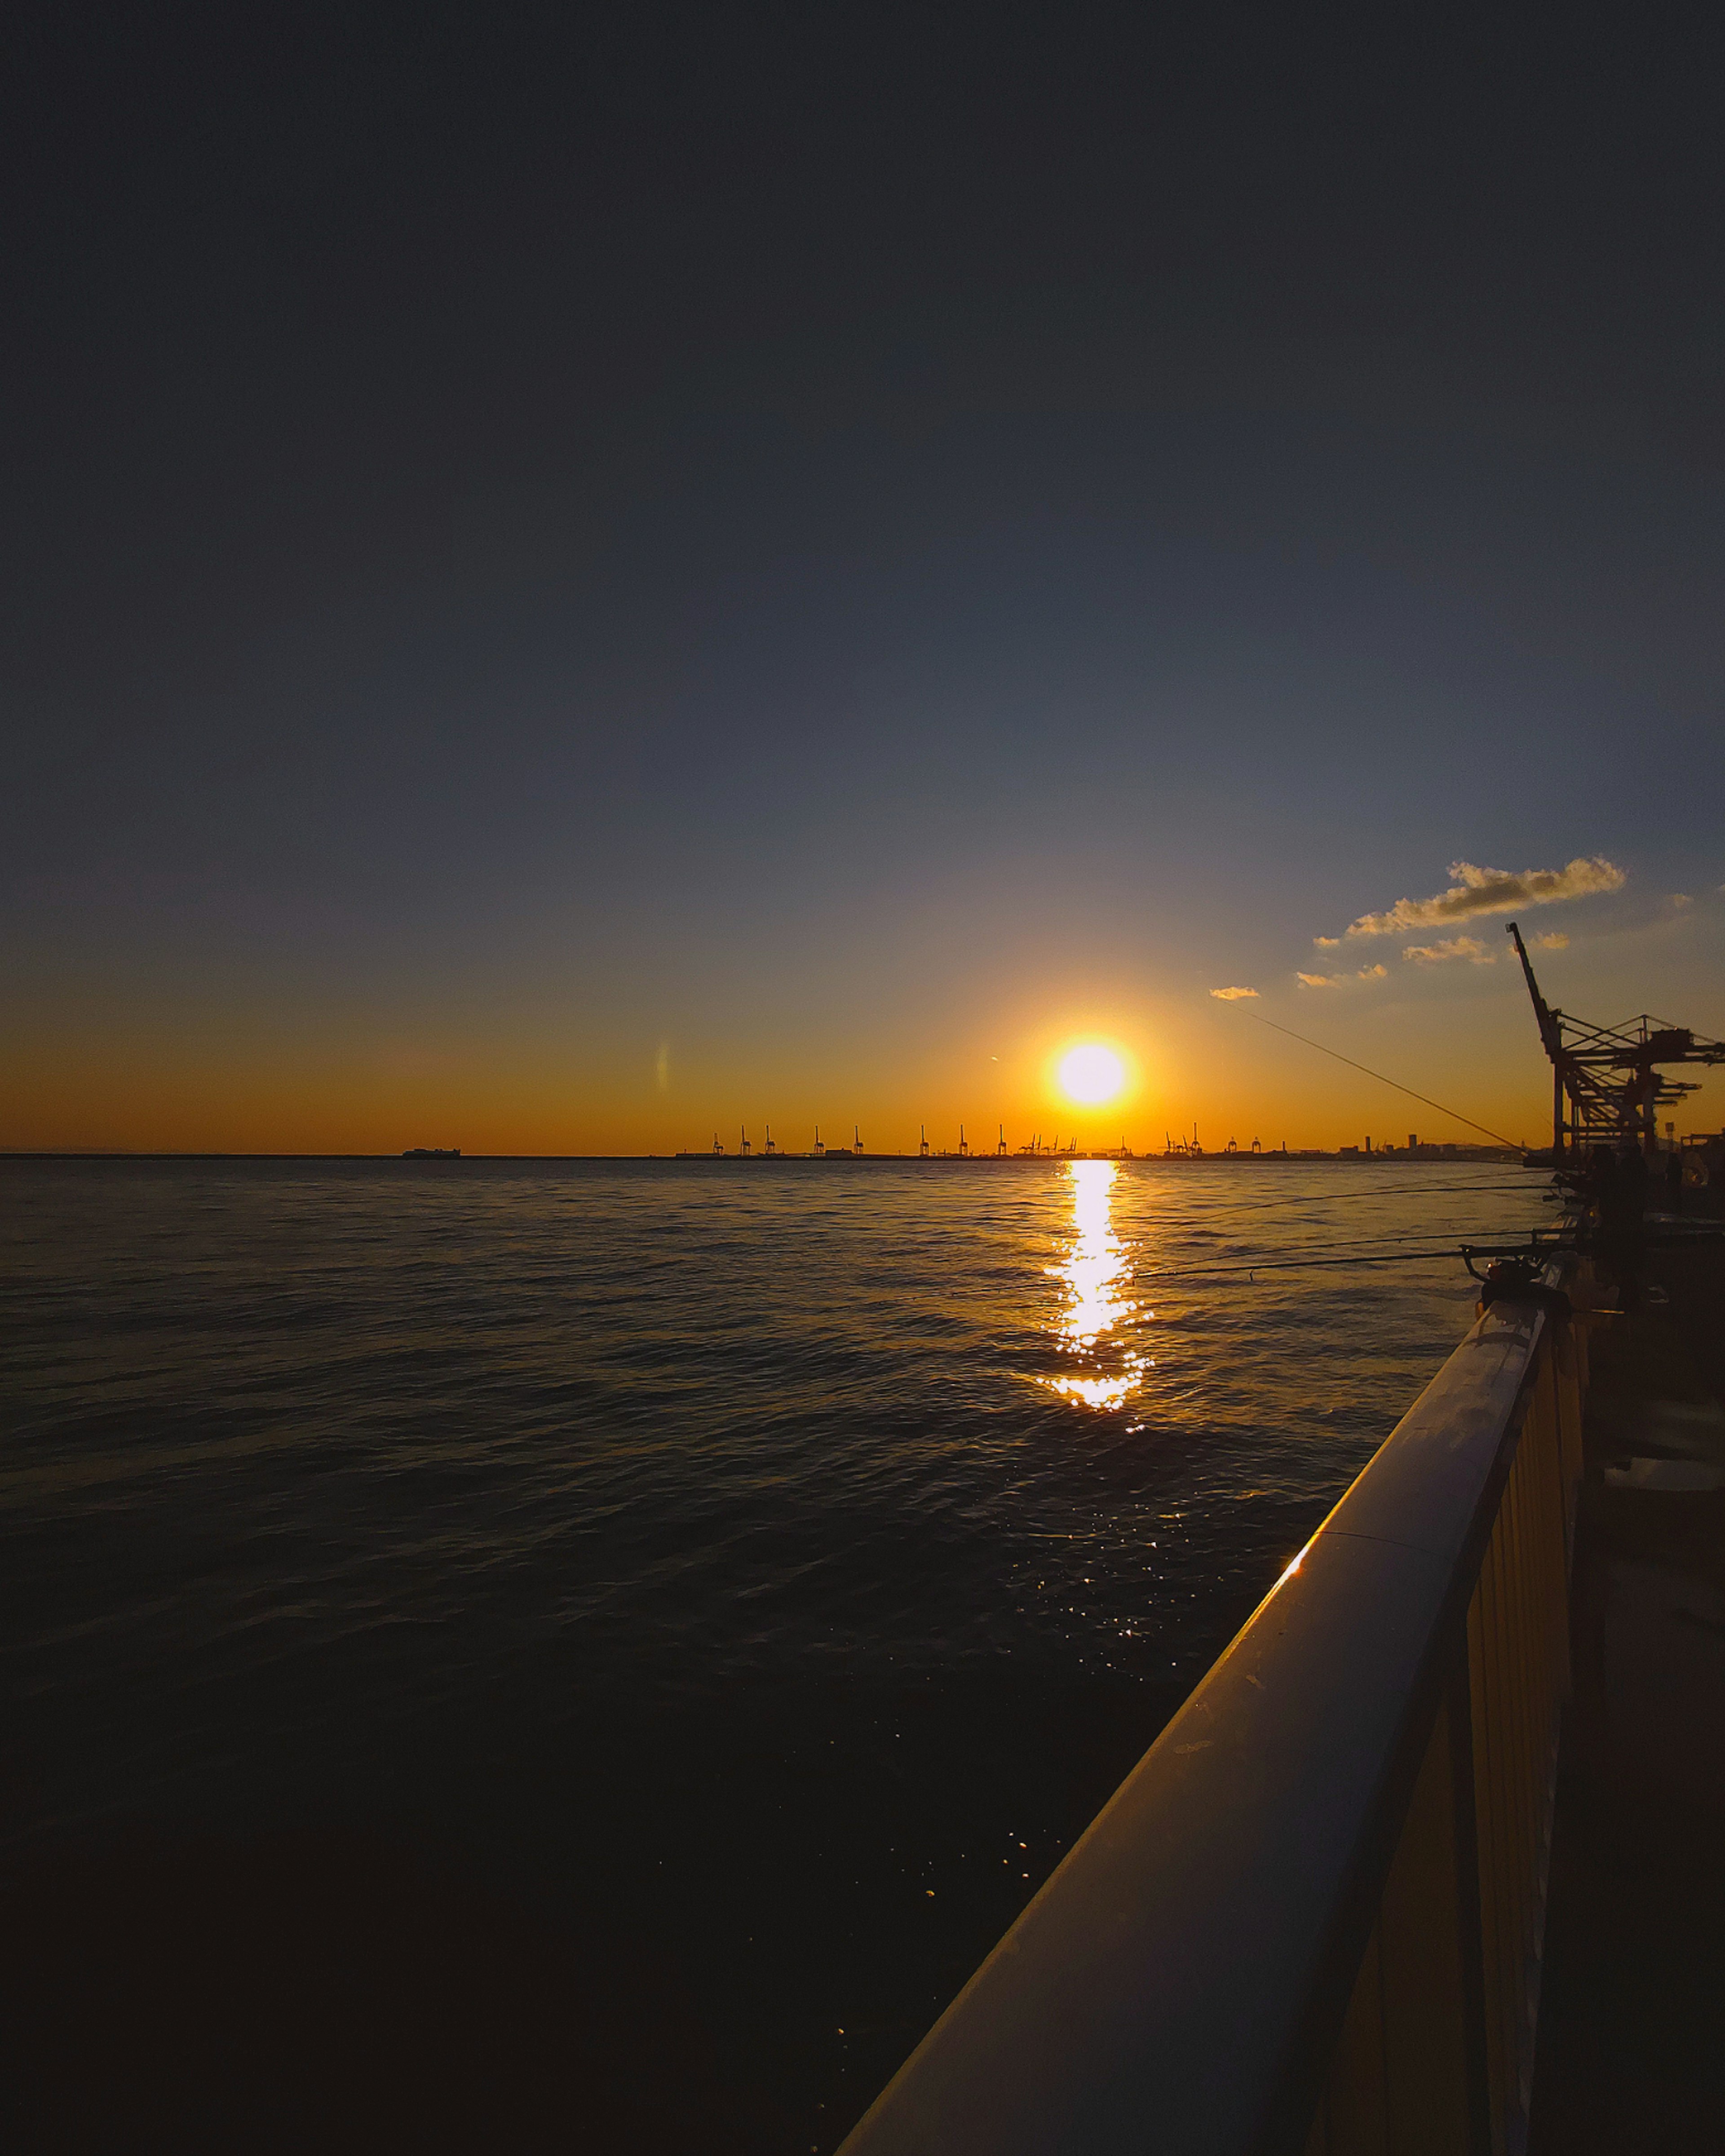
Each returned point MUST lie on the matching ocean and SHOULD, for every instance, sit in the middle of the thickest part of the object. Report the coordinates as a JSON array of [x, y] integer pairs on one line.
[[593, 1653]]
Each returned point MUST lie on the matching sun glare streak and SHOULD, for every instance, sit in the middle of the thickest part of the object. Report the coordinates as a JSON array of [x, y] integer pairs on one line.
[[1093, 1271]]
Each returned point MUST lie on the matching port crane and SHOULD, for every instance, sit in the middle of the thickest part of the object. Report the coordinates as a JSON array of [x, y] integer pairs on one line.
[[1606, 1082]]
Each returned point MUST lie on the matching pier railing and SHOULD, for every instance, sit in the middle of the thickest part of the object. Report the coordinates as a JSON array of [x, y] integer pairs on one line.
[[1311, 1919]]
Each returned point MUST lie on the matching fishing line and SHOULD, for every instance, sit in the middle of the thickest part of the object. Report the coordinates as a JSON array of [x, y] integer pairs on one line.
[[1306, 1264], [1362, 1243], [1366, 1242], [1455, 1114], [1395, 1190]]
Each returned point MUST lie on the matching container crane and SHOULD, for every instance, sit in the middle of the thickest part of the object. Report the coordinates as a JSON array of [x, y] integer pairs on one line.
[[1606, 1085]]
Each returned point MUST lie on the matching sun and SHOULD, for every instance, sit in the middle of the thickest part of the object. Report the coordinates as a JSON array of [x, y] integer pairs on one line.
[[1091, 1075]]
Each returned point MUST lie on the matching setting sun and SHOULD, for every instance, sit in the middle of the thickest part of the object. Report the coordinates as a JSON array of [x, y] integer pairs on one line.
[[1090, 1074]]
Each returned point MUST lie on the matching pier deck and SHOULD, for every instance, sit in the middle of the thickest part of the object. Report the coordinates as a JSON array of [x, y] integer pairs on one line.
[[1630, 2056]]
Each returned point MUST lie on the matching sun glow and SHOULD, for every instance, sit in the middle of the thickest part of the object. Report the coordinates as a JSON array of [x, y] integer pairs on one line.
[[1090, 1074]]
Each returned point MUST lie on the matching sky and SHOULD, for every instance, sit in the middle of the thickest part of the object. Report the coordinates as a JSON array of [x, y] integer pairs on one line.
[[578, 579]]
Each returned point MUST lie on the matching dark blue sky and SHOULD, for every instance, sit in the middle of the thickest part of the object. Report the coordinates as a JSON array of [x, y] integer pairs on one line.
[[788, 547]]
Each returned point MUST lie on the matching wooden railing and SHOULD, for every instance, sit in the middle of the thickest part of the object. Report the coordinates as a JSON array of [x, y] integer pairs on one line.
[[1311, 1918]]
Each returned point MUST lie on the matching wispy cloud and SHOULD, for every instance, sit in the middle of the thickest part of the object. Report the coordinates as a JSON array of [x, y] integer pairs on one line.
[[1452, 948], [1492, 890], [1327, 942], [1680, 899], [1318, 980], [1231, 995], [1557, 941]]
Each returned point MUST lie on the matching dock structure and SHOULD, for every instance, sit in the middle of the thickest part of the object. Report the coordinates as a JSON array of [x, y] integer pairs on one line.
[[1313, 1920], [1183, 1153], [1051, 1155]]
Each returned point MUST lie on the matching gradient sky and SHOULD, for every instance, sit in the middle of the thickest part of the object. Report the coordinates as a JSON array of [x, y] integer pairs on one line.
[[573, 579]]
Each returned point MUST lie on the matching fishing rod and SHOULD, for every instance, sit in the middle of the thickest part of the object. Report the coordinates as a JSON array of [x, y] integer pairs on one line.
[[1340, 1242], [1532, 1248]]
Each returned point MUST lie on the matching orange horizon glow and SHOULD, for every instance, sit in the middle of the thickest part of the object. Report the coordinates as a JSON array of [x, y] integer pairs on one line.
[[261, 1117], [327, 1082]]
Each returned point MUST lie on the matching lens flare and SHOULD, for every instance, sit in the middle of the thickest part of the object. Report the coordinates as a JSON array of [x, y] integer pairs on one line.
[[1090, 1074]]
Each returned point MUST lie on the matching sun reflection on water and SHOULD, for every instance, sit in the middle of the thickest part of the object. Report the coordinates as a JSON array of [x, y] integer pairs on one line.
[[1095, 1272]]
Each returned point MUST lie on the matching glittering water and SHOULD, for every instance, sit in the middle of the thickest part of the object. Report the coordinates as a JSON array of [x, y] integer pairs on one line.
[[777, 1561]]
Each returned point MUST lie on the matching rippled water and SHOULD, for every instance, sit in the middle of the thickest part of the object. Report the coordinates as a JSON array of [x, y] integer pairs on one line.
[[775, 1563]]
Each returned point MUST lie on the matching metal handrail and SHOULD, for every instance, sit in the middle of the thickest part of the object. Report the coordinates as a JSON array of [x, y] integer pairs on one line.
[[1311, 1917]]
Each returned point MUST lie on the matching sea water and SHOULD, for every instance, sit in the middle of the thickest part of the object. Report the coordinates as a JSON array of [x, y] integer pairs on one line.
[[750, 1576]]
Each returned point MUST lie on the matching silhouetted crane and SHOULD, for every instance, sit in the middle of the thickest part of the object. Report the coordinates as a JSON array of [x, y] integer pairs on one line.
[[1605, 1083]]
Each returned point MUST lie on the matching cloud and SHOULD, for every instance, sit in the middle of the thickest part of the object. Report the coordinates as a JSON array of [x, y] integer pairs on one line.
[[1680, 899], [1327, 942], [1231, 995], [1492, 890], [1557, 941], [1469, 947], [1338, 980]]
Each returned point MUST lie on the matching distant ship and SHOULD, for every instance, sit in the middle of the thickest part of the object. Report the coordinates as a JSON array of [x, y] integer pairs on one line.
[[432, 1152]]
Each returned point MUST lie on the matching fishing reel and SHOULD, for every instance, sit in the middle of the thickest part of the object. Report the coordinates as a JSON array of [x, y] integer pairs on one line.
[[1514, 1279]]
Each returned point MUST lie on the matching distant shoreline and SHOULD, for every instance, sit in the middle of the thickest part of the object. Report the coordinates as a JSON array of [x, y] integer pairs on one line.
[[1424, 1157]]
